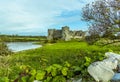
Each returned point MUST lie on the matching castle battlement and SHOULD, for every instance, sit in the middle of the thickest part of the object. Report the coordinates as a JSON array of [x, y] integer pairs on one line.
[[65, 34]]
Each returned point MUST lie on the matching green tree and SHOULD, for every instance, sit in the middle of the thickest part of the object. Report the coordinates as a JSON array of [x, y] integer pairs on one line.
[[103, 16]]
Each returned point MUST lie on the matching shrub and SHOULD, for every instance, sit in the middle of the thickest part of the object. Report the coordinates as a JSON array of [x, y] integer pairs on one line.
[[52, 73], [4, 49], [92, 39]]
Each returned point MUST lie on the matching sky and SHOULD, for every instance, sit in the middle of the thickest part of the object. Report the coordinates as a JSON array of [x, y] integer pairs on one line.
[[35, 17]]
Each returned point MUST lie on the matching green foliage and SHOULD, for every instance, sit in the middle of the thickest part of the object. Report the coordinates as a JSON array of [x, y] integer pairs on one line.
[[64, 71], [4, 49], [59, 79], [108, 34], [33, 72], [4, 79], [92, 39], [40, 75], [96, 14], [17, 38], [117, 21], [88, 61], [24, 79], [65, 59], [52, 73]]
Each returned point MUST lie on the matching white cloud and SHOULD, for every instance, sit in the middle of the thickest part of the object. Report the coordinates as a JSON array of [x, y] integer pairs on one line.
[[36, 15]]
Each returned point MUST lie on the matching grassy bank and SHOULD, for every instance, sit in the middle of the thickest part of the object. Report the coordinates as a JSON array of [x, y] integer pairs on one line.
[[17, 38], [78, 54]]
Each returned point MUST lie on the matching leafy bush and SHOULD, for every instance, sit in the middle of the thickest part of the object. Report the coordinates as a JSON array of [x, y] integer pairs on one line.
[[57, 72], [92, 39], [4, 49], [52, 73], [4, 79]]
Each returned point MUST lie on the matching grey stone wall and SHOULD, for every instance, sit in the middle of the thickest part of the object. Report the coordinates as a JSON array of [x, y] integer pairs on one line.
[[57, 34], [50, 34], [65, 34]]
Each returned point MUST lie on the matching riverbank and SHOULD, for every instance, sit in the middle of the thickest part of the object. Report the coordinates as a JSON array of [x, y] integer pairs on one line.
[[78, 54]]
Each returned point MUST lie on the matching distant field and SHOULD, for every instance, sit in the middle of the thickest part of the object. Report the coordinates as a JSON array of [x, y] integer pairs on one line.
[[13, 38]]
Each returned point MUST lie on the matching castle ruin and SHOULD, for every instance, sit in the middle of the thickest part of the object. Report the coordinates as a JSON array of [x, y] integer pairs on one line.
[[65, 34]]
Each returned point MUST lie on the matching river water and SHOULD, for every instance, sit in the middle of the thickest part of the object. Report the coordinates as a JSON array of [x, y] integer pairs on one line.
[[20, 46]]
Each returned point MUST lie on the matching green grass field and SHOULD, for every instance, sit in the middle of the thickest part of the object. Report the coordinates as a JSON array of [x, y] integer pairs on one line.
[[78, 54], [17, 38]]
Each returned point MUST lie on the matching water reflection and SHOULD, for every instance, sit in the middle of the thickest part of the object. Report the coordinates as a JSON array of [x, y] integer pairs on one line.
[[19, 46]]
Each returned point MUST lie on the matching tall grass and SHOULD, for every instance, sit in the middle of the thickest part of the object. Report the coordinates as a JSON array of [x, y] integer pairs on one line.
[[4, 49]]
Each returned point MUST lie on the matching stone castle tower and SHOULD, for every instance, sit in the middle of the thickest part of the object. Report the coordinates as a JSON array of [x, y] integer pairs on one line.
[[65, 34], [50, 34]]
